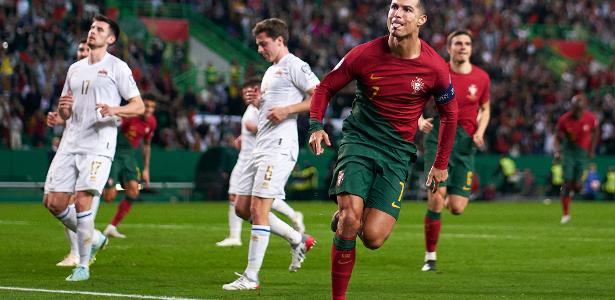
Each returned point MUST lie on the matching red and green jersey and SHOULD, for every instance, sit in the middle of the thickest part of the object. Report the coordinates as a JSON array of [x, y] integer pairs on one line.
[[577, 131], [390, 97], [134, 130], [471, 90]]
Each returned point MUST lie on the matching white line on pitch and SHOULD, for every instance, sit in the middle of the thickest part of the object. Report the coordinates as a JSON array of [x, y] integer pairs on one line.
[[11, 288]]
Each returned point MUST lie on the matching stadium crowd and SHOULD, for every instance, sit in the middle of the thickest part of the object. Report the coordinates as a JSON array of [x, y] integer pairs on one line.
[[39, 43]]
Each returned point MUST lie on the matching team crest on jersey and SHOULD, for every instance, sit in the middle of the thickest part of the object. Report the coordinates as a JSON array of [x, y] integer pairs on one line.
[[472, 89], [146, 130], [585, 127], [340, 178], [417, 85]]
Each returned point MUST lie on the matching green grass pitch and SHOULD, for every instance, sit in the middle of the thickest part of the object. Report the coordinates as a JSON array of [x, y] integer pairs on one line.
[[493, 251]]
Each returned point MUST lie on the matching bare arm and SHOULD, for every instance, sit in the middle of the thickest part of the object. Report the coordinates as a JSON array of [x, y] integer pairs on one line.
[[65, 105], [483, 120], [146, 154], [557, 140], [594, 141], [135, 107], [279, 114]]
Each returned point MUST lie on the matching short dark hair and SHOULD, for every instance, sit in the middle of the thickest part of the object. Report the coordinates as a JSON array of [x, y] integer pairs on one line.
[[455, 33], [251, 81], [148, 97], [273, 27], [115, 29], [83, 41], [421, 5]]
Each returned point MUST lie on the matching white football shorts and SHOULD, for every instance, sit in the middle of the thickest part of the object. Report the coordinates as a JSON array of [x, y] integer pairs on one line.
[[70, 173]]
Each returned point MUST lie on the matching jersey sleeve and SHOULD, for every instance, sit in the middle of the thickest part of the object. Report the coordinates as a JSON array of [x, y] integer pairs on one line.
[[252, 115], [66, 87], [302, 76], [343, 73], [126, 83], [444, 96]]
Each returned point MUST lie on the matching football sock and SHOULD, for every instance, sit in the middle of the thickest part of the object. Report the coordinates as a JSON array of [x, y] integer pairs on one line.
[[234, 223], [566, 204], [69, 218], [279, 227], [256, 252], [122, 210], [282, 207], [342, 263], [432, 225], [85, 233], [73, 241]]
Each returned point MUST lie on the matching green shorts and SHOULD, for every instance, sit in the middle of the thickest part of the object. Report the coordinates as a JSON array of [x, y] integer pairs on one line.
[[365, 172], [123, 169], [575, 162], [460, 164]]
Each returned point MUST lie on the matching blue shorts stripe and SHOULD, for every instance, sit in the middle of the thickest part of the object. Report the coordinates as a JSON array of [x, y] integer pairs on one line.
[[260, 229]]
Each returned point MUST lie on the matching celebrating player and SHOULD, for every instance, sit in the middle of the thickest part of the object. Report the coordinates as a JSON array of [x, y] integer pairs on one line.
[[54, 119], [575, 143], [283, 88], [239, 181], [471, 86], [91, 97], [396, 75], [125, 169]]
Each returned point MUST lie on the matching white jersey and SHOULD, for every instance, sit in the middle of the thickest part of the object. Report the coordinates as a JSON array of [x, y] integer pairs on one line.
[[248, 139], [285, 83], [107, 81]]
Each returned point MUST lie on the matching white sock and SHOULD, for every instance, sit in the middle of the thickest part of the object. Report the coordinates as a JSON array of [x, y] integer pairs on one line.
[[279, 227], [69, 218], [85, 233], [258, 246], [430, 256], [234, 223], [282, 207], [95, 205], [73, 241]]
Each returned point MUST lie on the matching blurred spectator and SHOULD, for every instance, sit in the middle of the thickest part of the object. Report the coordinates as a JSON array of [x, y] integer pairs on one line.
[[591, 184], [609, 184], [555, 180]]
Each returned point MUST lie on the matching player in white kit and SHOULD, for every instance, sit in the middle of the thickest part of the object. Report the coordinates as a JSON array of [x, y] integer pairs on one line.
[[91, 98], [54, 119], [239, 181], [284, 86]]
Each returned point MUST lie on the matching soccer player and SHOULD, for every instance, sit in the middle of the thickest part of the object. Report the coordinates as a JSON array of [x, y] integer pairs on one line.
[[125, 169], [239, 181], [575, 143], [283, 88], [90, 98], [54, 119], [396, 75], [471, 86]]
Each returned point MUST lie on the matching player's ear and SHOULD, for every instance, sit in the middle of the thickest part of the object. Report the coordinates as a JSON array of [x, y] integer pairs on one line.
[[111, 39], [422, 20]]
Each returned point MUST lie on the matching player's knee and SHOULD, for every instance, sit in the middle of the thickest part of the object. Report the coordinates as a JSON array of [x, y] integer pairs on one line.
[[242, 212], [349, 220], [456, 210], [132, 192], [373, 243], [54, 206]]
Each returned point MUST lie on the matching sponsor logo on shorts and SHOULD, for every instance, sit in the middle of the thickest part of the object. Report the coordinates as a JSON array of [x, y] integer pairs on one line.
[[340, 178], [465, 188], [394, 205]]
